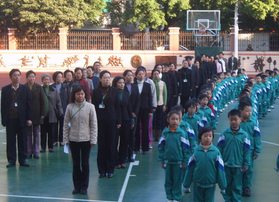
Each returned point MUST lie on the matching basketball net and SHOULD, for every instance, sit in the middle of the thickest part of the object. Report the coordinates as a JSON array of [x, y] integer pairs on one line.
[[202, 30]]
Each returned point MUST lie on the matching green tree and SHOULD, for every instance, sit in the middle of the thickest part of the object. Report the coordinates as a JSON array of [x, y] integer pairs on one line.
[[145, 14], [37, 15]]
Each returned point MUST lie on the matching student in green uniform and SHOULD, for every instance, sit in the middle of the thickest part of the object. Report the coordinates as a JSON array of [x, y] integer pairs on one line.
[[251, 127], [185, 126], [192, 118], [174, 149], [205, 169], [209, 115], [234, 145]]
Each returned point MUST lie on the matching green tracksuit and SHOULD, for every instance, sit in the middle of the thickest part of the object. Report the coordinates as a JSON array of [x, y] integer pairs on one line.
[[195, 122], [209, 115], [235, 150], [252, 129], [174, 150], [190, 134], [205, 169]]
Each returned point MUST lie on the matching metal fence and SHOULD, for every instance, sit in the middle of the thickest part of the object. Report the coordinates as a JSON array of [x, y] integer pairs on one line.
[[145, 41], [3, 41], [39, 41], [90, 40]]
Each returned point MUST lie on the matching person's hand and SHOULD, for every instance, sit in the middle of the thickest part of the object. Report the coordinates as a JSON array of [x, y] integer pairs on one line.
[[255, 155], [164, 165], [150, 114], [187, 190], [29, 123], [164, 108], [244, 169], [223, 191], [134, 115], [118, 126]]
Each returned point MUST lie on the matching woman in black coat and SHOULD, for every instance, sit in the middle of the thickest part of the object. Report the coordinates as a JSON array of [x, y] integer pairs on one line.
[[105, 99], [123, 132]]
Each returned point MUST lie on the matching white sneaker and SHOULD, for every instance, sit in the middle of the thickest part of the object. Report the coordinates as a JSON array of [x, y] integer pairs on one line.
[[272, 107], [269, 110]]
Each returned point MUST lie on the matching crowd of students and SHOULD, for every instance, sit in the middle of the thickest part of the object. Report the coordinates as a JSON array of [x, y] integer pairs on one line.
[[84, 108], [188, 160]]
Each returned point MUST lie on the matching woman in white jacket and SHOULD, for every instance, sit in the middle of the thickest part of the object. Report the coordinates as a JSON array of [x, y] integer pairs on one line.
[[80, 132]]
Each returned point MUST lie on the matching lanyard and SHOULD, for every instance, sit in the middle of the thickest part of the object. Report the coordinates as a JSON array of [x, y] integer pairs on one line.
[[76, 112]]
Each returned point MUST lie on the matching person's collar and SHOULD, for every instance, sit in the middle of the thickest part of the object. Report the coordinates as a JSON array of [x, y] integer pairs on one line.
[[80, 103], [140, 82], [15, 86], [205, 147]]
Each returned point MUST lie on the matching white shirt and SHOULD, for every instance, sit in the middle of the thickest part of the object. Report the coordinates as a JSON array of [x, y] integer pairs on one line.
[[140, 86], [223, 64]]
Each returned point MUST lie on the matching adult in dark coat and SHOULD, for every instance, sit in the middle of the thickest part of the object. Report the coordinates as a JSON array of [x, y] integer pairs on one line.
[[37, 115], [67, 87], [15, 114], [145, 111], [107, 108], [122, 136], [195, 76], [172, 86], [133, 92], [232, 63], [185, 83], [54, 111], [59, 87]]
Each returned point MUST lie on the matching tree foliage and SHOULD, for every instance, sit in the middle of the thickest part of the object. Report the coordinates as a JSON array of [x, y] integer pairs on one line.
[[34, 15]]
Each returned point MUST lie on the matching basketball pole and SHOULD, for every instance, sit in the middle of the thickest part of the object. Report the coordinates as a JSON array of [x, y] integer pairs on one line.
[[236, 30]]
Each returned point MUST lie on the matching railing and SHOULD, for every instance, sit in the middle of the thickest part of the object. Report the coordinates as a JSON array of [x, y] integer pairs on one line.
[[145, 41], [186, 39], [90, 40], [3, 41], [39, 41]]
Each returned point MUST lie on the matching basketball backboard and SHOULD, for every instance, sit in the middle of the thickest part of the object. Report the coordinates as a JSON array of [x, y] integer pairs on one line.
[[203, 20]]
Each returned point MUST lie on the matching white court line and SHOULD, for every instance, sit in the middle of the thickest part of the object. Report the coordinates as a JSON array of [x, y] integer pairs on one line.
[[128, 175], [271, 143], [51, 198]]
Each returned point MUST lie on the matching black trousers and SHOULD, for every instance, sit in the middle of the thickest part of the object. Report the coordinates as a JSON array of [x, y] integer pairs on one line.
[[131, 140], [172, 102], [106, 146], [47, 132], [121, 142], [141, 137], [58, 135], [80, 152], [158, 118], [184, 99], [16, 133]]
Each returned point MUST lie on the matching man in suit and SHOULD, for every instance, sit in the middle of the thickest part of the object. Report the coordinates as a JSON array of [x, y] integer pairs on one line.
[[195, 76], [16, 116], [185, 83], [145, 111], [223, 61], [232, 63]]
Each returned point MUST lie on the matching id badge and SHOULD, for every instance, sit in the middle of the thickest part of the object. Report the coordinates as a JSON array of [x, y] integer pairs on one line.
[[185, 80], [16, 105], [101, 106], [69, 125]]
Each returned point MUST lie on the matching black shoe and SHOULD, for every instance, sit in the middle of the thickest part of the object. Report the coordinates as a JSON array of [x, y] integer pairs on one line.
[[43, 151], [131, 160], [36, 157], [10, 165], [50, 150], [246, 192], [75, 192], [102, 175], [24, 164], [110, 175], [83, 192]]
